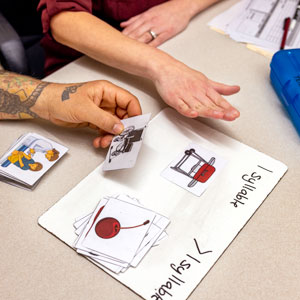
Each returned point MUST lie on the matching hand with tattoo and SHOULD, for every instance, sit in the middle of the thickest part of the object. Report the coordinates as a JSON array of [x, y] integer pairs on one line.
[[99, 105]]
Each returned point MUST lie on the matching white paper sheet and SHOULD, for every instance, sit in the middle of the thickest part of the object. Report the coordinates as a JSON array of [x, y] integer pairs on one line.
[[260, 22], [201, 228]]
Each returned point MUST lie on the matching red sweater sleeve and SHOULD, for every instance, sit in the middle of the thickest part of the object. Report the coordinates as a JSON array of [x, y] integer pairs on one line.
[[50, 8], [58, 55]]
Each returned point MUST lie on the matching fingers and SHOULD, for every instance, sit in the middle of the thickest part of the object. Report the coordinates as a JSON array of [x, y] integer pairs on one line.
[[204, 111], [111, 103], [217, 99], [183, 108], [102, 141], [146, 37], [102, 119], [160, 39], [224, 89], [121, 113], [139, 28], [134, 25], [141, 32], [230, 113], [199, 110], [124, 103], [209, 105], [125, 24]]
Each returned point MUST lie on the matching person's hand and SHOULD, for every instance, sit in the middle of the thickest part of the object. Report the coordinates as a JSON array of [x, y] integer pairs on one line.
[[97, 104], [192, 94], [165, 20]]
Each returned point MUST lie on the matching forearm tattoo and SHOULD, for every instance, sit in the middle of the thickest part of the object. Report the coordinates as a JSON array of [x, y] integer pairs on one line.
[[70, 90], [18, 94]]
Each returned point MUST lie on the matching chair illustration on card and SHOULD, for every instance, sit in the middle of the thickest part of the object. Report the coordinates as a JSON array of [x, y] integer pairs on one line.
[[195, 167], [129, 136]]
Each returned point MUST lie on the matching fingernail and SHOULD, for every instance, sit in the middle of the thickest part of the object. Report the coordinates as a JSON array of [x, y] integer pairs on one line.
[[229, 115], [118, 128], [218, 114], [194, 114], [232, 114], [236, 113]]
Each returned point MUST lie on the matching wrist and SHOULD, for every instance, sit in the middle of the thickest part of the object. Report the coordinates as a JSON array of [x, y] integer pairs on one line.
[[156, 66], [42, 95]]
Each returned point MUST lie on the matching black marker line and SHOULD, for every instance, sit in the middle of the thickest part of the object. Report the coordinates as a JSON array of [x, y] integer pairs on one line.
[[178, 279], [237, 201], [174, 281], [246, 187], [199, 248], [249, 187], [267, 18], [265, 169], [198, 261]]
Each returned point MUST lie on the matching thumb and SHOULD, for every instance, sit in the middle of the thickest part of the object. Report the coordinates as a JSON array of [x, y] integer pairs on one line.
[[105, 121]]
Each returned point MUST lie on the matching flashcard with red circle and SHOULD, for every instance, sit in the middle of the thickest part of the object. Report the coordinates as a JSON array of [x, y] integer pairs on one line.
[[84, 223], [118, 230]]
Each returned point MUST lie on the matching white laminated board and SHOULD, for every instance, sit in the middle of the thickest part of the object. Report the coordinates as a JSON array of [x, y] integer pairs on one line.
[[201, 227]]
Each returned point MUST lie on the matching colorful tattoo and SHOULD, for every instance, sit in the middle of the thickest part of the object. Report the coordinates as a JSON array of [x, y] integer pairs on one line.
[[18, 94]]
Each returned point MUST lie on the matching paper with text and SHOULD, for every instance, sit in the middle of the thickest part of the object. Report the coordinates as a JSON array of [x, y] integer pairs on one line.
[[260, 23]]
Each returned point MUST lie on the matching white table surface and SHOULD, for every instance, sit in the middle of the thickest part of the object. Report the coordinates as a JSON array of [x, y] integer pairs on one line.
[[261, 263]]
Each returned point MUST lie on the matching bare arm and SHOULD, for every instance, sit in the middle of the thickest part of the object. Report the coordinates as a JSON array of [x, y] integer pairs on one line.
[[188, 91], [102, 42]]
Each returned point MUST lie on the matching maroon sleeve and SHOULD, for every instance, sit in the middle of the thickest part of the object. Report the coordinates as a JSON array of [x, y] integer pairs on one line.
[[50, 8], [56, 54]]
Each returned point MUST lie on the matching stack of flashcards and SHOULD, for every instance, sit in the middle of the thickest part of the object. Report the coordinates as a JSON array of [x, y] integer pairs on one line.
[[124, 148], [119, 233], [28, 159]]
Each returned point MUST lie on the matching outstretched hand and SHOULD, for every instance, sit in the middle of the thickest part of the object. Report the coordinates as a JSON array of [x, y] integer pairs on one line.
[[192, 94], [99, 105], [165, 20]]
